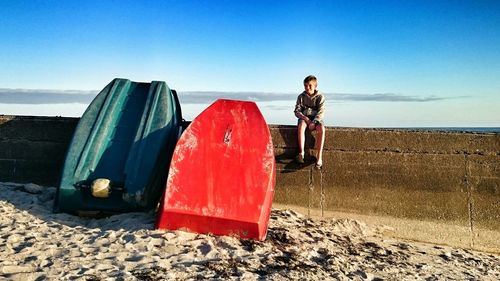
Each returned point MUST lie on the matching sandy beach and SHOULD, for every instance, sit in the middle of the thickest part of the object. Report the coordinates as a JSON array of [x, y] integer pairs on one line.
[[36, 244]]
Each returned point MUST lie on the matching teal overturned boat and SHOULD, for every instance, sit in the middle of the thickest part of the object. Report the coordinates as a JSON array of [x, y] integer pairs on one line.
[[120, 153]]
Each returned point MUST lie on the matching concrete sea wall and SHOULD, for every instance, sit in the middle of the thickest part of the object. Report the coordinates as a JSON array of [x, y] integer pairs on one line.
[[440, 187]]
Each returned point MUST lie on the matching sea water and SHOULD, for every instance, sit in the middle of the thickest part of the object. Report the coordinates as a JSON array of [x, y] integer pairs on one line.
[[494, 130]]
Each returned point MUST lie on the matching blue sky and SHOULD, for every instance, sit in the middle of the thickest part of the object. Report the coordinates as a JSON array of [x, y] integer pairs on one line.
[[381, 63]]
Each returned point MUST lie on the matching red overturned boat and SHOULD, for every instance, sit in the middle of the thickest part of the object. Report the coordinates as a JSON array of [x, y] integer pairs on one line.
[[222, 174]]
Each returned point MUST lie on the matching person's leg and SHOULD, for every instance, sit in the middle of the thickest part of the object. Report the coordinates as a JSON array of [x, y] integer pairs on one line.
[[320, 142], [301, 137]]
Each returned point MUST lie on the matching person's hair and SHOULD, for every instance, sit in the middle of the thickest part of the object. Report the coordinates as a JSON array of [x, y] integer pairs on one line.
[[310, 78]]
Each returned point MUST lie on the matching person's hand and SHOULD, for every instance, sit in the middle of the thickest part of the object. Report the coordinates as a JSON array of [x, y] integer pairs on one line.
[[311, 126]]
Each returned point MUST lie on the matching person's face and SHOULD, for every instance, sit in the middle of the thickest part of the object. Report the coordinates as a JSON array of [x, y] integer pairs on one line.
[[310, 87]]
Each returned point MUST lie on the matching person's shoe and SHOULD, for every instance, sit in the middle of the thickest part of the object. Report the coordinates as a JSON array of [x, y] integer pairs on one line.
[[318, 165], [299, 159]]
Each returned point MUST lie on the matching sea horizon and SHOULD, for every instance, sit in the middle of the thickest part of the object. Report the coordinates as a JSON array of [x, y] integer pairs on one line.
[[495, 130]]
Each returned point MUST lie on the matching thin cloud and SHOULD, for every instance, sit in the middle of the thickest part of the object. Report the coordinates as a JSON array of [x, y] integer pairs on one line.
[[202, 97], [28, 96]]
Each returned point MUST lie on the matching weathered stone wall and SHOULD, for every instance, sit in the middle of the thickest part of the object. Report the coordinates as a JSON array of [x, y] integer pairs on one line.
[[442, 177]]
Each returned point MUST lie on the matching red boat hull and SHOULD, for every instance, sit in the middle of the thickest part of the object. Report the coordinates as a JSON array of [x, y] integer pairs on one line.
[[222, 174]]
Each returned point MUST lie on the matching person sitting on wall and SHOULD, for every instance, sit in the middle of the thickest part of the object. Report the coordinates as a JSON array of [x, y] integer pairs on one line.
[[310, 109]]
